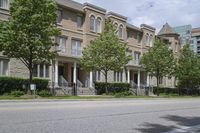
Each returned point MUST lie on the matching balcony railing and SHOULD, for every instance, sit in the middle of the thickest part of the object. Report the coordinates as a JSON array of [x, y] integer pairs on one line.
[[134, 63], [70, 52]]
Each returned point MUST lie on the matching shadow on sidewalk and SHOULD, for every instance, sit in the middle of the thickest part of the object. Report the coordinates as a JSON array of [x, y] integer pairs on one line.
[[179, 120]]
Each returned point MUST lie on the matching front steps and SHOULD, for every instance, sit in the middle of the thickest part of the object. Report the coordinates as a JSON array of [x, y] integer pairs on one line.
[[80, 91]]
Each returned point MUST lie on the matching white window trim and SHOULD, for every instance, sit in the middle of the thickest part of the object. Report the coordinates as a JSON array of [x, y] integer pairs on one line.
[[7, 6], [2, 67]]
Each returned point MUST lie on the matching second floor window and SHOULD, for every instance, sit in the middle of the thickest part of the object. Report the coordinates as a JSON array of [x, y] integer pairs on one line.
[[147, 39], [121, 31], [79, 22], [137, 58], [76, 47], [4, 4], [151, 40], [98, 25], [92, 23], [61, 42], [59, 17], [4, 67]]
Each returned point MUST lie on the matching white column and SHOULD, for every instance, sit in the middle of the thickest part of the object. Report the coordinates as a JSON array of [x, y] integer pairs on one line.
[[124, 76], [138, 79], [128, 76], [38, 70], [74, 73], [91, 80], [56, 73], [44, 71]]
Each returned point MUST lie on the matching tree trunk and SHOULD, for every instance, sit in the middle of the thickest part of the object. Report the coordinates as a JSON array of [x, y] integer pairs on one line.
[[106, 81], [158, 79]]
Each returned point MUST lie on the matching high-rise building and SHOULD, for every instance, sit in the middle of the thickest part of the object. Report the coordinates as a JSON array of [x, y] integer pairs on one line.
[[195, 41]]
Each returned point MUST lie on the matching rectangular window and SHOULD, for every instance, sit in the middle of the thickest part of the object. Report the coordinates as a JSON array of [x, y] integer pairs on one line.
[[59, 17], [138, 39], [61, 41], [137, 57], [98, 75], [79, 21], [4, 4], [4, 67], [117, 76], [76, 47], [41, 71]]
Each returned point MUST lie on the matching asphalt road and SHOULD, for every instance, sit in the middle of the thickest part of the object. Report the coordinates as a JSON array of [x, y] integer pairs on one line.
[[112, 116]]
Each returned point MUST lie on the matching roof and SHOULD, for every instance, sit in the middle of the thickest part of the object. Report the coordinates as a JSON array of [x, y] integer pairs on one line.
[[133, 27], [166, 30], [94, 6], [147, 26], [70, 4], [117, 15]]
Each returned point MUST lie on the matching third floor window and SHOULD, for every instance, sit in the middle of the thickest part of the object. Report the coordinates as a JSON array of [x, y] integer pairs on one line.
[[79, 22], [98, 25], [4, 4], [59, 17], [92, 23]]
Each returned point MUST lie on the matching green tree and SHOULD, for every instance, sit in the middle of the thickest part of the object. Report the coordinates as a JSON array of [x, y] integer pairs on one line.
[[159, 61], [106, 53], [28, 34], [188, 69]]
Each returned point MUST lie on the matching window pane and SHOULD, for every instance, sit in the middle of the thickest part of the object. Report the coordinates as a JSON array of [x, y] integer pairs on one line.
[[41, 71], [79, 21], [4, 4], [120, 31], [59, 16], [98, 25], [47, 71], [92, 20], [76, 47], [147, 39], [35, 71]]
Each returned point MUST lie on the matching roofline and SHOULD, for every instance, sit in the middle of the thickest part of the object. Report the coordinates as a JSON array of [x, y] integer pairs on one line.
[[116, 15], [85, 5], [130, 26], [147, 26]]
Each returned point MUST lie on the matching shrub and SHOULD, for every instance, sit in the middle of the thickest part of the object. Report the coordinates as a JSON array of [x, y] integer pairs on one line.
[[112, 87], [17, 93], [123, 94], [9, 84], [44, 93]]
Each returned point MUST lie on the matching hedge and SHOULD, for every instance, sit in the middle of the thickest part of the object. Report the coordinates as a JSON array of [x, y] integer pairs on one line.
[[112, 87], [177, 91], [9, 84]]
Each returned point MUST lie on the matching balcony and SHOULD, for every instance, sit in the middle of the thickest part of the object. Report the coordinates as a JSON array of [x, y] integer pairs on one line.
[[134, 63], [74, 53]]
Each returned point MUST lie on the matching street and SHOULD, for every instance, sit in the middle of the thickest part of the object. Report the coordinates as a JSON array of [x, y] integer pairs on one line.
[[104, 116]]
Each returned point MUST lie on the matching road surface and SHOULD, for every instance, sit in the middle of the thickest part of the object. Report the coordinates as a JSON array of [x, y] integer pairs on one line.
[[106, 116]]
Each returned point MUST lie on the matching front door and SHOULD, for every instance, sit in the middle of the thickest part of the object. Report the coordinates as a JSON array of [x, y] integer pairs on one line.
[[136, 78]]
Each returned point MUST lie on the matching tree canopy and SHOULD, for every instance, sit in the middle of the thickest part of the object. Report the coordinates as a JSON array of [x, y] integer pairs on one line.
[[188, 69], [27, 35], [159, 61], [106, 53]]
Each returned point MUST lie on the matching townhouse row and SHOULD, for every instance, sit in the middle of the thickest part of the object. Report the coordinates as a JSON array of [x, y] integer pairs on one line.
[[80, 24]]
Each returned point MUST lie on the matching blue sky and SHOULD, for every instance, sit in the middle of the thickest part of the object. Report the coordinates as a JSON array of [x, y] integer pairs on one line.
[[154, 12]]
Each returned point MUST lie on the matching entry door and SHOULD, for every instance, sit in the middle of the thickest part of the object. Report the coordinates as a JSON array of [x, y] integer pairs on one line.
[[136, 78], [61, 71]]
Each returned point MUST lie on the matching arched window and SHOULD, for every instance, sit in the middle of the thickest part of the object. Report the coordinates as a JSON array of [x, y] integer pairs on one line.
[[121, 31], [151, 40], [92, 23], [98, 25], [147, 39], [116, 28]]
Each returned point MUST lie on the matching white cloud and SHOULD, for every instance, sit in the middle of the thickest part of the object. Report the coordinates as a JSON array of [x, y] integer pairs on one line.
[[154, 12]]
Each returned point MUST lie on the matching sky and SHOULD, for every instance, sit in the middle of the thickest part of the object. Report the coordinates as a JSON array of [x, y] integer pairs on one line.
[[154, 12]]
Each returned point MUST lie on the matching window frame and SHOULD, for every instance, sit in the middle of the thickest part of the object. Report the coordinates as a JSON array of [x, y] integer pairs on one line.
[[92, 23], [3, 71], [120, 32], [79, 19], [4, 5], [98, 25], [59, 20]]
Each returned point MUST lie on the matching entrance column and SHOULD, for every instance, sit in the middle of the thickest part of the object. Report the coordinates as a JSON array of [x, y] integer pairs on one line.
[[56, 73], [138, 83], [124, 76], [91, 80], [128, 76], [74, 73]]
